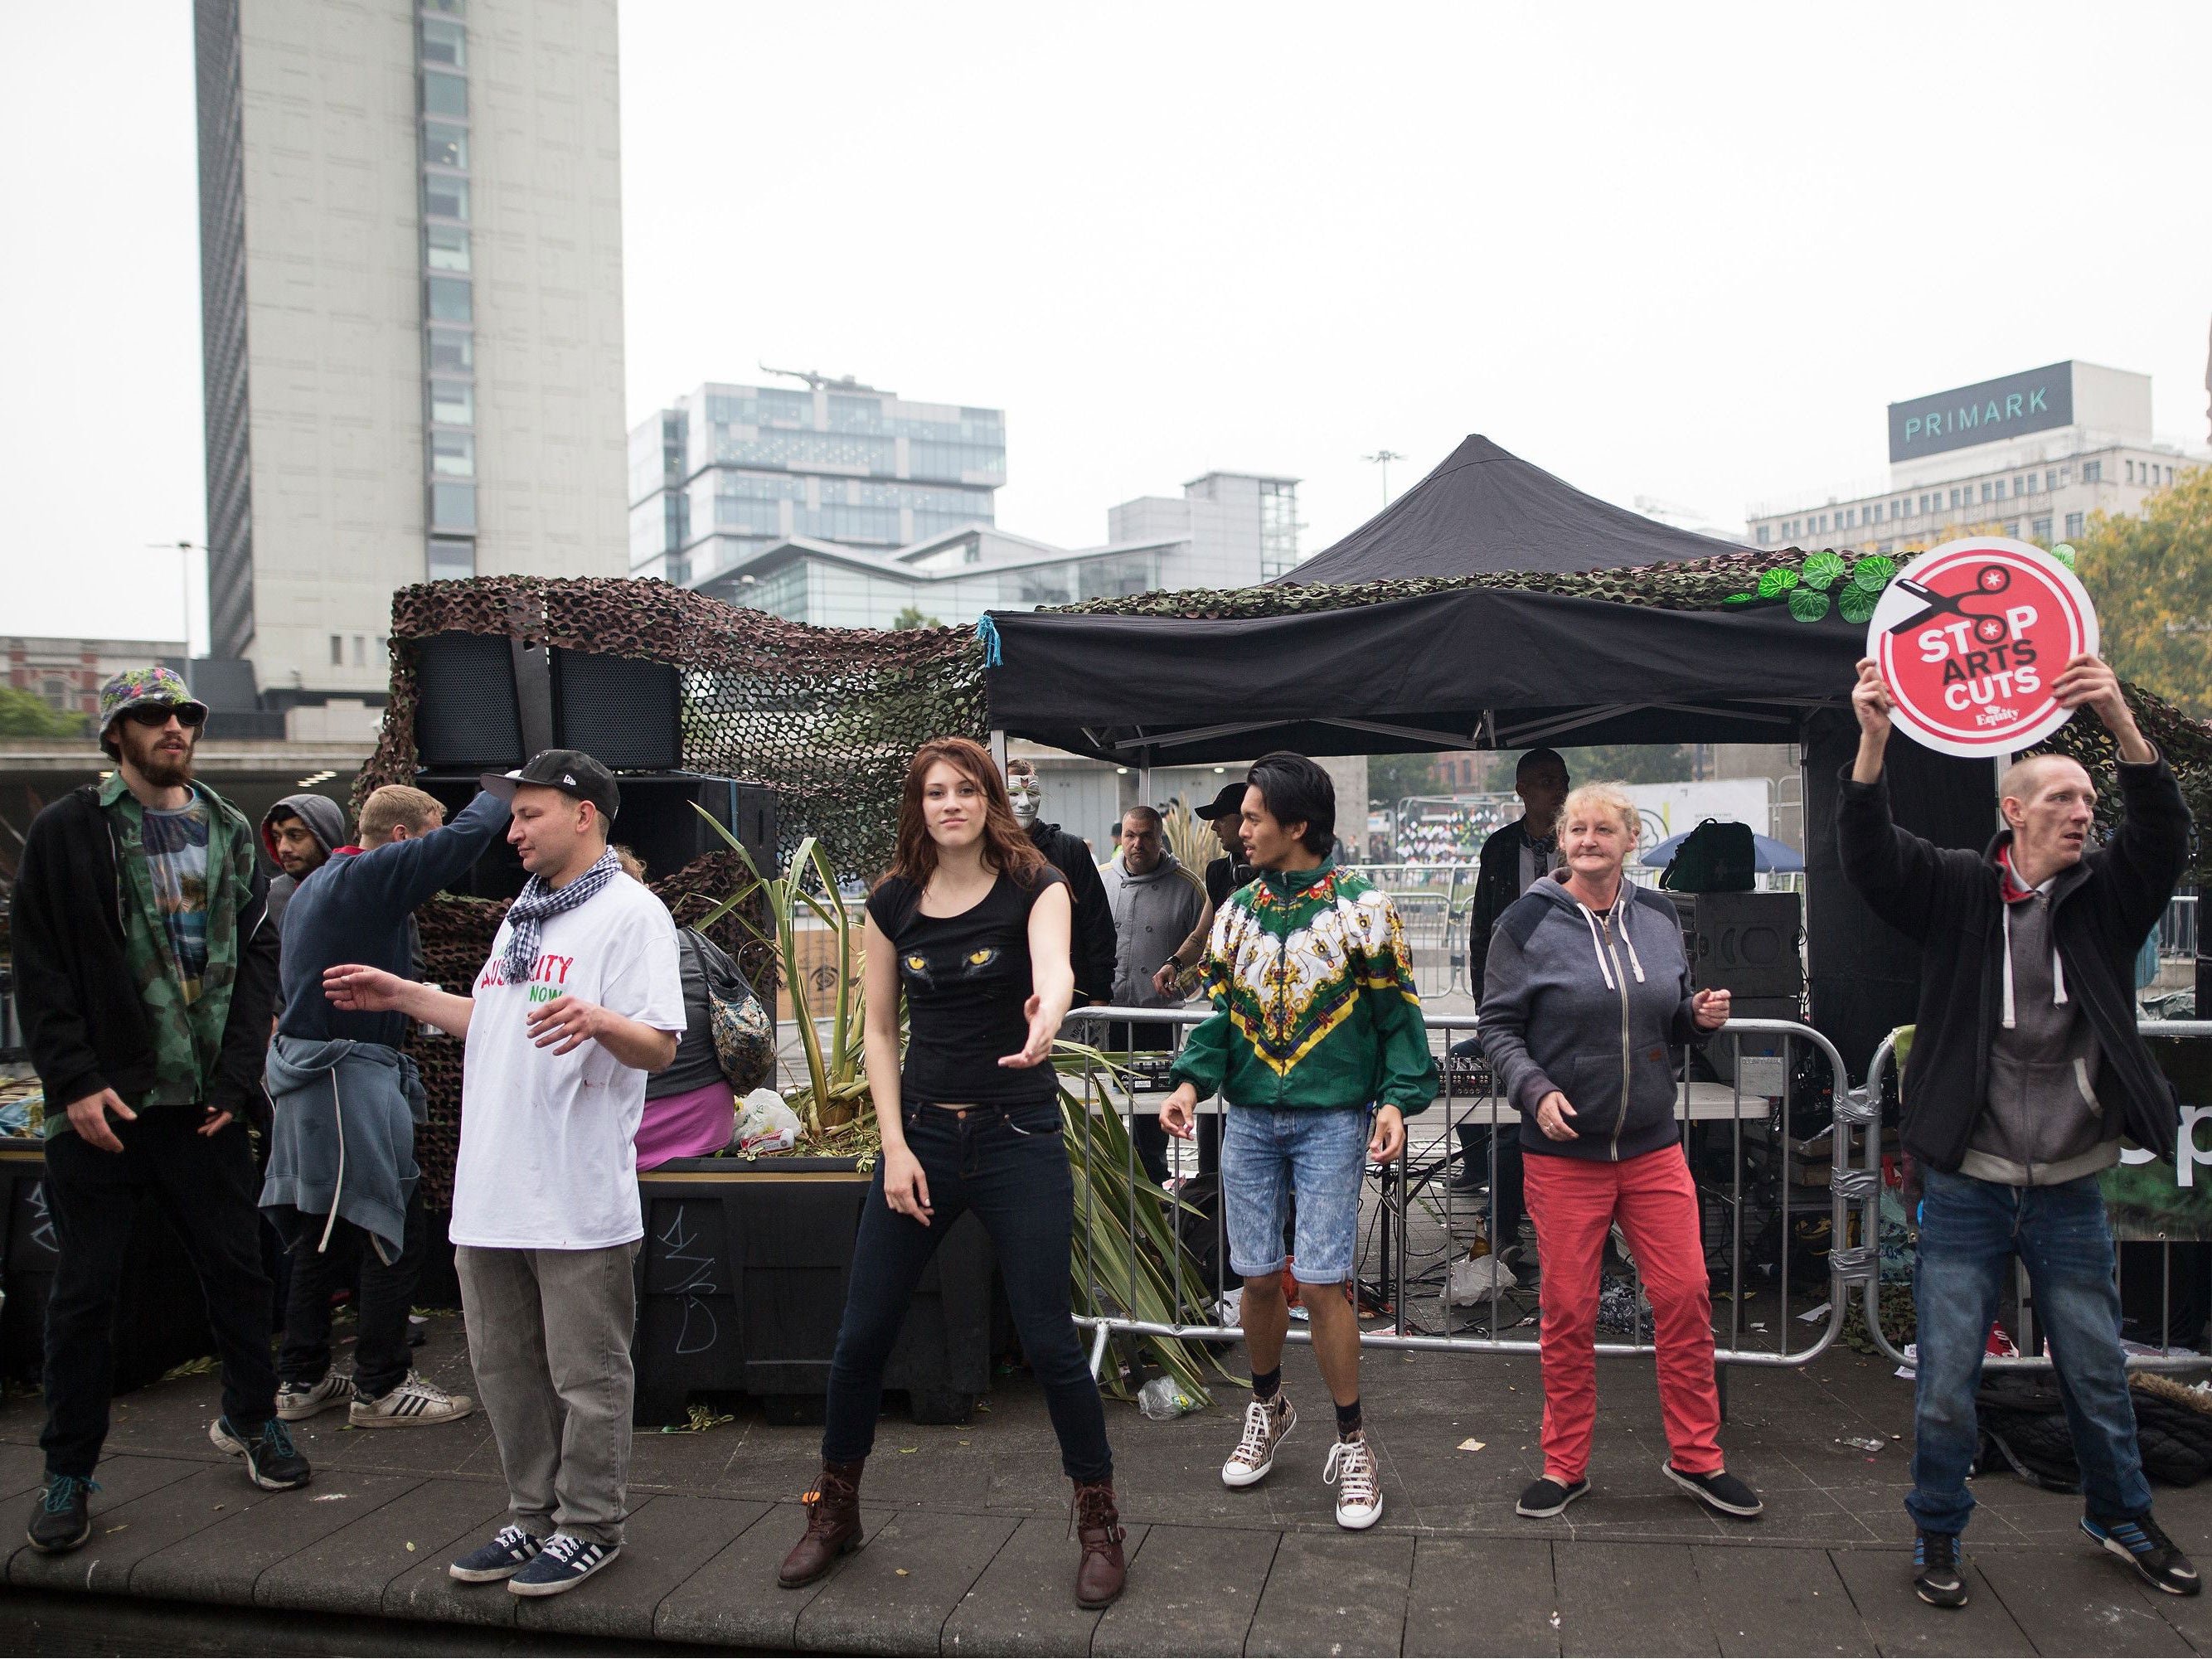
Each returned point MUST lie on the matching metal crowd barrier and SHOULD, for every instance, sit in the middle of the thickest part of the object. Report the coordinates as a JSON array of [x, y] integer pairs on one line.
[[1863, 1111], [1735, 1128]]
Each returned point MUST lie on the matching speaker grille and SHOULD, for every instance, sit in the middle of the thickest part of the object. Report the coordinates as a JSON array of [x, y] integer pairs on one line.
[[467, 719], [621, 711]]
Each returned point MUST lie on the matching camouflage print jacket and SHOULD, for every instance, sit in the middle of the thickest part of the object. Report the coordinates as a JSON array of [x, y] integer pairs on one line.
[[102, 1002]]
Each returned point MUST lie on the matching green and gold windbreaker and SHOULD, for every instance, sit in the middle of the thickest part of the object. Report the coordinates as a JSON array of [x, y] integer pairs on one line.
[[1313, 996]]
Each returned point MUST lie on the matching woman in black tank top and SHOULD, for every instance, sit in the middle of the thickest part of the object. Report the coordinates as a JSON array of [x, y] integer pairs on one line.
[[971, 927]]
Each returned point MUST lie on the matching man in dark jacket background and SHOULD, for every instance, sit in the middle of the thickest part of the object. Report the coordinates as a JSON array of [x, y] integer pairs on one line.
[[1090, 943], [146, 972], [2026, 1069], [1513, 858]]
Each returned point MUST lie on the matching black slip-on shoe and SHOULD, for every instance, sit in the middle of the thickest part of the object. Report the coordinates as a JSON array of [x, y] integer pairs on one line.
[[1547, 1497], [1719, 1492]]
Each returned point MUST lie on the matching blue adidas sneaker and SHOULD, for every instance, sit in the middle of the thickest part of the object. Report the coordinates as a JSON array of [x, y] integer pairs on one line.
[[2144, 1545], [510, 1551], [563, 1565]]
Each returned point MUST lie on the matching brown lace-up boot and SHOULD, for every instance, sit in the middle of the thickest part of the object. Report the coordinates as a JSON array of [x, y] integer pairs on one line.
[[833, 1525], [1102, 1572]]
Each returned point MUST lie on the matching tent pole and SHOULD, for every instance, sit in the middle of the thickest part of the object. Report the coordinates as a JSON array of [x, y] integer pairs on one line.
[[1145, 786], [999, 749]]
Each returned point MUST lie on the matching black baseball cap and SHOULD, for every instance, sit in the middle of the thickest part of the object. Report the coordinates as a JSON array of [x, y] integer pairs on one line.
[[1229, 803], [571, 771]]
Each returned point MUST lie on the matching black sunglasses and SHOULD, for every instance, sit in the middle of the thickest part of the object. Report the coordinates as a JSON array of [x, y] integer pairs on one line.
[[157, 713]]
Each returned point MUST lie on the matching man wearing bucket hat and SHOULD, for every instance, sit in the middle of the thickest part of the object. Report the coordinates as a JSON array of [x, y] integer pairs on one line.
[[582, 995], [145, 975]]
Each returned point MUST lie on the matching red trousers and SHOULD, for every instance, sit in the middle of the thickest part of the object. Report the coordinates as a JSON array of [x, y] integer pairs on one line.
[[1574, 1202]]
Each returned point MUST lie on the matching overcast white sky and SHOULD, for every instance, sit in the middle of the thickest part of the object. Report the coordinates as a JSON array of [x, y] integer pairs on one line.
[[1692, 261]]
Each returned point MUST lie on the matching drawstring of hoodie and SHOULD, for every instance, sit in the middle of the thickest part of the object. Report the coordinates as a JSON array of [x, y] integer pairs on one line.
[[2057, 969], [1605, 967], [2009, 883]]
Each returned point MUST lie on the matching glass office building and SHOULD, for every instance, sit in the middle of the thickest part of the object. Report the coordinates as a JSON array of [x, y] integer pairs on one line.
[[727, 472]]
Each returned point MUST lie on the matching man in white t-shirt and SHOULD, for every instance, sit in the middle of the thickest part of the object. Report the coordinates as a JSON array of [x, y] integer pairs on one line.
[[581, 997]]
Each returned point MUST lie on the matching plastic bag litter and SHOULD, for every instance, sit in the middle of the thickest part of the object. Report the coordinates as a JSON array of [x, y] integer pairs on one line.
[[765, 1124], [1163, 1401], [1473, 1280]]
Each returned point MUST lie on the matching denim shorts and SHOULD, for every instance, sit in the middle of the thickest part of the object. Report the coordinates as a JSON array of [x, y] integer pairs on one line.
[[1266, 1156]]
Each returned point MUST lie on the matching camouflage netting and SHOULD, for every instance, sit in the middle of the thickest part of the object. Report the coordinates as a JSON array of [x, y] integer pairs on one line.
[[828, 718]]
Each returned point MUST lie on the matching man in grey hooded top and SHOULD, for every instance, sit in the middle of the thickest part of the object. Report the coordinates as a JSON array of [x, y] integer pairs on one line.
[[1157, 902], [301, 832]]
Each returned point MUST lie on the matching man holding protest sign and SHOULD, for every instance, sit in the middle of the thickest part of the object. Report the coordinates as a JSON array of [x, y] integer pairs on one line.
[[2027, 1066]]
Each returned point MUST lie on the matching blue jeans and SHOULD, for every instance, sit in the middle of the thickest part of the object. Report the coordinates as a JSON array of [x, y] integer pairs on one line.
[[1318, 1152], [1970, 1231], [1009, 1165]]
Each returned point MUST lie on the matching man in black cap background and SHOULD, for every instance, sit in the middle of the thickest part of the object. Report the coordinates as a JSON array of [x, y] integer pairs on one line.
[[582, 996], [1513, 858], [1225, 874]]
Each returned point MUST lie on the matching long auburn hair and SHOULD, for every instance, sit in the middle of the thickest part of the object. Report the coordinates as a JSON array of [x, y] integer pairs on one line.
[[1007, 845]]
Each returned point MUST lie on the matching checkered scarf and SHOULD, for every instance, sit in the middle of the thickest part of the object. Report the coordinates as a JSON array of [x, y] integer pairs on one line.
[[527, 916]]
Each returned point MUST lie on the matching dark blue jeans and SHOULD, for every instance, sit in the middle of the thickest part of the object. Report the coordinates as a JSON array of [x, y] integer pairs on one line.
[[1970, 1231], [1010, 1167]]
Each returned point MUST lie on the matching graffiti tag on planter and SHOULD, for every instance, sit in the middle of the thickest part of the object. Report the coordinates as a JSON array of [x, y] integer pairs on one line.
[[1971, 635]]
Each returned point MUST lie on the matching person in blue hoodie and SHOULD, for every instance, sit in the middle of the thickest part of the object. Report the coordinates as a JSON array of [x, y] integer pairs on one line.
[[342, 1184]]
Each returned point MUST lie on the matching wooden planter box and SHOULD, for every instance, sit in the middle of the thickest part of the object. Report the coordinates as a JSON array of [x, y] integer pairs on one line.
[[742, 1283]]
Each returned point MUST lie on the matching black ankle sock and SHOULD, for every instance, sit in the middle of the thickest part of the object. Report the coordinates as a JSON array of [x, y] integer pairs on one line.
[[1266, 1385], [1347, 1420]]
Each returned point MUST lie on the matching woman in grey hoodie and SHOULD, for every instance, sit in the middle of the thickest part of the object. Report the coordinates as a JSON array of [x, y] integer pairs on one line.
[[1586, 999]]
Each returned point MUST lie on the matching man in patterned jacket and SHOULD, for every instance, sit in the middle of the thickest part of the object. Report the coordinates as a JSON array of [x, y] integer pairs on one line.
[[145, 973], [1317, 1047]]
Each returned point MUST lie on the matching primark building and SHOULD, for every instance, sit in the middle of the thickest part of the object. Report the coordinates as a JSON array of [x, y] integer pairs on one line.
[[2030, 456]]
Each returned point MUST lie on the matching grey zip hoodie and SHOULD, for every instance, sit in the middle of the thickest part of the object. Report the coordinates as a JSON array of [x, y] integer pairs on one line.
[[1594, 1008], [2042, 1123]]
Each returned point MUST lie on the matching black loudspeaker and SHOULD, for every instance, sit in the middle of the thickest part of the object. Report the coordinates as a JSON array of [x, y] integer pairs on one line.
[[467, 714], [1746, 943], [624, 712], [657, 822], [487, 702]]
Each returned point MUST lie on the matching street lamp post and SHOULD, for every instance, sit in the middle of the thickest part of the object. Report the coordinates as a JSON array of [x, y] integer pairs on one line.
[[185, 551], [1382, 458]]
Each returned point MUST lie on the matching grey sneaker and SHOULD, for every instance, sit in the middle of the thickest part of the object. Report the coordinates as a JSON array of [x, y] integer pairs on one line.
[[295, 1404], [415, 1401]]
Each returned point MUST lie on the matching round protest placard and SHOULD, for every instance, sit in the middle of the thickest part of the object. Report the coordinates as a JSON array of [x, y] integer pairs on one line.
[[1970, 636]]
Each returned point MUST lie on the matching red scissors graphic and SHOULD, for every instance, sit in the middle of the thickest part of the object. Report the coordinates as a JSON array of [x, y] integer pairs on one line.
[[1990, 579]]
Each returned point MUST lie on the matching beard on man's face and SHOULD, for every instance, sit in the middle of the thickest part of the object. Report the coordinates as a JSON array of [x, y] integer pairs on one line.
[[162, 758]]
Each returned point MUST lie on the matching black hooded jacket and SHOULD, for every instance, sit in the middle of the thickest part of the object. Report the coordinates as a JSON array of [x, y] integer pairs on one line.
[[1951, 902], [1091, 939]]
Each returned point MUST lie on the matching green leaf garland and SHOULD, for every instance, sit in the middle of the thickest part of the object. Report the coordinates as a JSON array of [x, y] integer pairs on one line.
[[1822, 571], [1773, 584], [1809, 604], [1872, 574], [1856, 604]]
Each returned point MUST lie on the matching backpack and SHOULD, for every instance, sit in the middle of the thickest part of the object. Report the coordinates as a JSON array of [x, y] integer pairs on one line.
[[745, 1040], [1716, 857]]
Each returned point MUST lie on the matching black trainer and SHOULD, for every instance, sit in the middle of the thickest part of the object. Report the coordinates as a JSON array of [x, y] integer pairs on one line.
[[61, 1514], [1719, 1492], [1935, 1577], [2144, 1545], [272, 1462], [1547, 1497]]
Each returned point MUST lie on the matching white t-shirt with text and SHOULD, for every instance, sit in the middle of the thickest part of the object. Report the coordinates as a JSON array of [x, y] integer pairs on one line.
[[546, 1160]]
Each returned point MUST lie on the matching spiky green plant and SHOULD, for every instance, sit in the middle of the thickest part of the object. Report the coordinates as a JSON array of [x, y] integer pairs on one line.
[[836, 1071]]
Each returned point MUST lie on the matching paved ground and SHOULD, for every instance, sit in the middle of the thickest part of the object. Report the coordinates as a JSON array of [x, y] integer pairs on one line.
[[967, 1551]]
